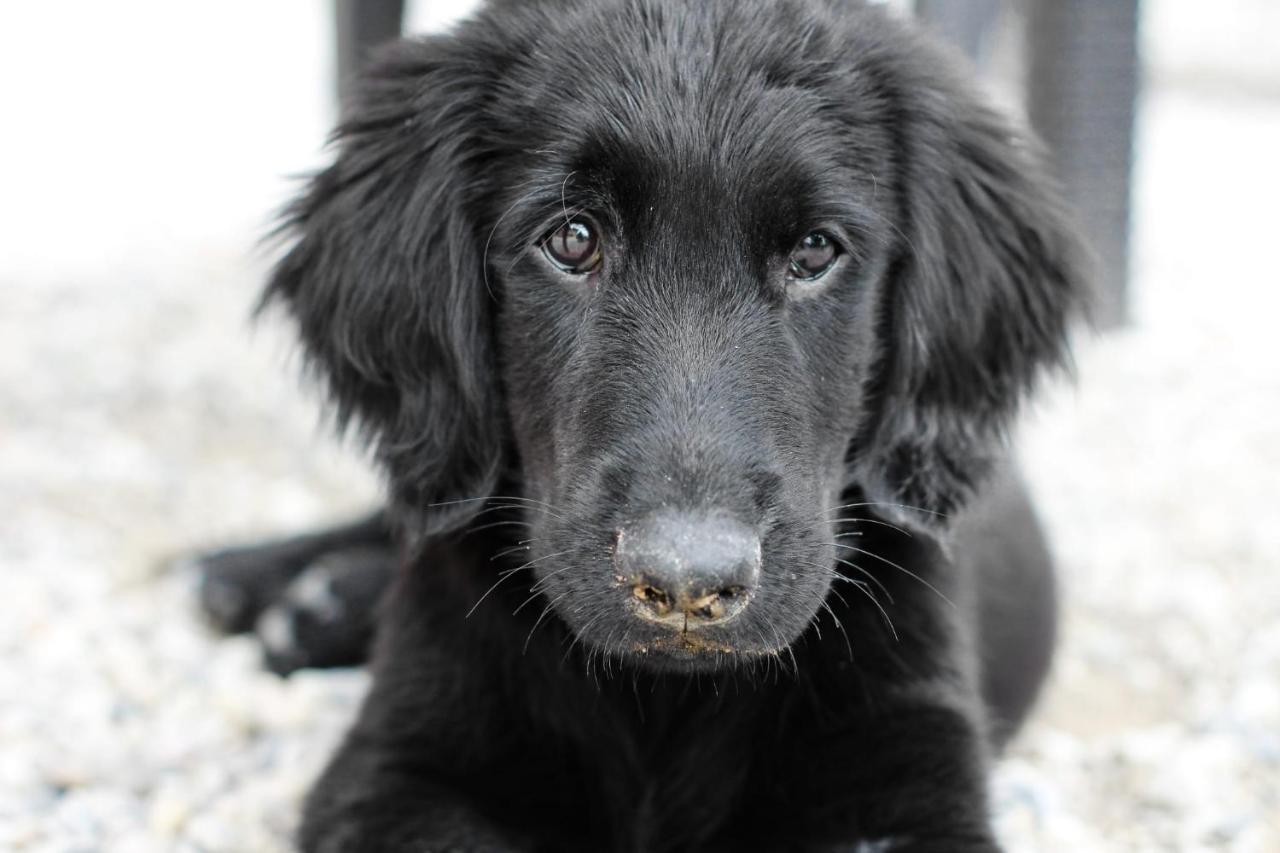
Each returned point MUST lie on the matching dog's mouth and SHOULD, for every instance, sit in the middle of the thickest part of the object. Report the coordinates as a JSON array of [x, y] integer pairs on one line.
[[692, 652], [683, 645]]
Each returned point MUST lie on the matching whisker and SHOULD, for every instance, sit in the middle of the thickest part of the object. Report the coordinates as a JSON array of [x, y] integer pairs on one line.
[[506, 574], [859, 519], [516, 498], [504, 523], [538, 586], [893, 226], [522, 545], [884, 613], [484, 256], [848, 645], [875, 580], [543, 615], [578, 635], [862, 587], [905, 571], [795, 666], [515, 260], [489, 510], [885, 503], [564, 200], [463, 501], [866, 590]]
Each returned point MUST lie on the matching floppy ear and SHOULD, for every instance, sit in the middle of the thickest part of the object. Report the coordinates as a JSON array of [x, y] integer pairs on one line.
[[987, 279], [386, 280]]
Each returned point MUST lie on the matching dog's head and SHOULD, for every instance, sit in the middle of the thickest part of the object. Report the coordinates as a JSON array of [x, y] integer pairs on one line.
[[693, 276]]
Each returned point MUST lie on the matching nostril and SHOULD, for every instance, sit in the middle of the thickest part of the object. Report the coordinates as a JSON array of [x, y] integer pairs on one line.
[[654, 598], [713, 605]]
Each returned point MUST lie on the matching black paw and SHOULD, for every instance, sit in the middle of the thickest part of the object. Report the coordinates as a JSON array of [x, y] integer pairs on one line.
[[238, 584], [325, 617]]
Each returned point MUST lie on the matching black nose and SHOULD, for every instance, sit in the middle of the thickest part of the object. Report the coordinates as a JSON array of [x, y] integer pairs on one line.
[[689, 571]]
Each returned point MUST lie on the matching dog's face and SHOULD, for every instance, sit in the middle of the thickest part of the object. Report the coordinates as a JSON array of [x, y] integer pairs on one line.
[[690, 270], [692, 278]]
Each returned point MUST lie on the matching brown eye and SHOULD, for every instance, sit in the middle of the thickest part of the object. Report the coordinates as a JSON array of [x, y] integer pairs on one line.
[[813, 256], [574, 247]]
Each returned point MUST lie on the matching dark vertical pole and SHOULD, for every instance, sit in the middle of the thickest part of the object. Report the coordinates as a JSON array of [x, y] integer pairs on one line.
[[1082, 64], [965, 23], [360, 25]]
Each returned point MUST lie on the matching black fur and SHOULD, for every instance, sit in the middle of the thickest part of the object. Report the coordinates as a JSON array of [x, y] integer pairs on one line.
[[904, 614]]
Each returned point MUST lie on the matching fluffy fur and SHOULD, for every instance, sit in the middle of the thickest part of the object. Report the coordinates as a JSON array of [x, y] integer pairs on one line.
[[522, 417]]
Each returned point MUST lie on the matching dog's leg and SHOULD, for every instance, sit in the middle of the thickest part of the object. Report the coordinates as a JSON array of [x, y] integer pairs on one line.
[[913, 779], [325, 617], [238, 584], [435, 725], [1001, 543], [886, 747], [908, 778], [370, 801]]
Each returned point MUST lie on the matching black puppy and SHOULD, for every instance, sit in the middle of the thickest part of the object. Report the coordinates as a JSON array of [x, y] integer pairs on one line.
[[686, 335]]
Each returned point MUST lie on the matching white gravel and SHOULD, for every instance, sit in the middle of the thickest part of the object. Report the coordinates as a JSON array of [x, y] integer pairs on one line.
[[138, 417]]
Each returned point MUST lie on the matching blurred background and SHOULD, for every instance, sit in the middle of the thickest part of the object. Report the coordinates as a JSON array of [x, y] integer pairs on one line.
[[145, 145]]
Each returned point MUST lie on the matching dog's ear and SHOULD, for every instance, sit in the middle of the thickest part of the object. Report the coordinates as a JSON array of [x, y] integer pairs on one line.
[[987, 279], [386, 280]]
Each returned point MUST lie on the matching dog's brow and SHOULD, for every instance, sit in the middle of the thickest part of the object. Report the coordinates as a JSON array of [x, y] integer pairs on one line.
[[561, 198]]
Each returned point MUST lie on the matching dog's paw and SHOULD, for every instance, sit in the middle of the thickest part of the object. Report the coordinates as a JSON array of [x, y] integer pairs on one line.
[[237, 584], [325, 617]]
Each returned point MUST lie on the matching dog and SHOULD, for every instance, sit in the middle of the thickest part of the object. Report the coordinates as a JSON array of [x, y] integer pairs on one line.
[[687, 336]]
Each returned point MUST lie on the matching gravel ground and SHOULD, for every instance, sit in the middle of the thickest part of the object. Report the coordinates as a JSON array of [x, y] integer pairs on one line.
[[139, 417]]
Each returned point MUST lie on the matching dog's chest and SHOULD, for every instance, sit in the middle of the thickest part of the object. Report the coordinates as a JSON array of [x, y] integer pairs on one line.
[[669, 778]]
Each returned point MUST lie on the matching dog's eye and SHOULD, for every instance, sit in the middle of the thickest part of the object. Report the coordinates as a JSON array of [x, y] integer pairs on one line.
[[574, 247], [813, 256]]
